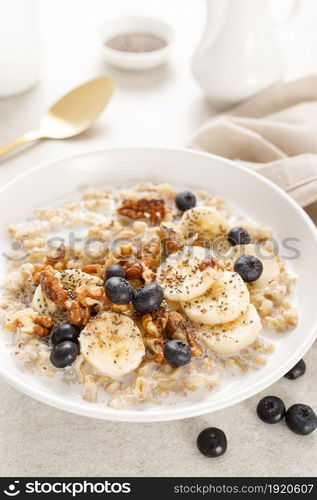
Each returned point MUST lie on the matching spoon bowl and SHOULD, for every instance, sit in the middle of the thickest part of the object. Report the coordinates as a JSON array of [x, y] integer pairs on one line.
[[77, 111], [71, 115]]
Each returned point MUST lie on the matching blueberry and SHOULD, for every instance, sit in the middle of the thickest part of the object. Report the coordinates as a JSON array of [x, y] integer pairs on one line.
[[66, 331], [212, 442], [185, 200], [177, 352], [297, 371], [301, 419], [148, 299], [271, 409], [119, 290], [238, 236], [249, 267], [114, 270], [64, 354]]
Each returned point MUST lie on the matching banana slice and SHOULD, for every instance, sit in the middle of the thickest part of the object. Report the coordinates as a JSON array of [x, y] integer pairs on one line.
[[207, 221], [226, 299], [41, 303], [73, 278], [181, 277], [232, 337], [271, 269], [112, 344]]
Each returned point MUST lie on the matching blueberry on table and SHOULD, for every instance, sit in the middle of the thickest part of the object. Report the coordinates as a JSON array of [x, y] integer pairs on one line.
[[297, 371], [65, 331], [249, 267], [301, 419], [119, 290], [271, 409], [114, 270], [64, 354], [148, 299], [185, 200], [177, 353], [212, 442], [238, 236]]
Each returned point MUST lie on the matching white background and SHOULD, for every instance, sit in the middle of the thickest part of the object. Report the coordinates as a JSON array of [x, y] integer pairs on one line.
[[163, 107]]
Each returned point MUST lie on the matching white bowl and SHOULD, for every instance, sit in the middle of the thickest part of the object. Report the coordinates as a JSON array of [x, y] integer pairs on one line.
[[135, 60], [244, 189]]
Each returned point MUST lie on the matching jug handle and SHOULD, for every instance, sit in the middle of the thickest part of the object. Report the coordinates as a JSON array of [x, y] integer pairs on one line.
[[292, 12]]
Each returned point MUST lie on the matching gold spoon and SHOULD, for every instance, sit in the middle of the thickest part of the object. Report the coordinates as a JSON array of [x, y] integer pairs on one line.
[[71, 115]]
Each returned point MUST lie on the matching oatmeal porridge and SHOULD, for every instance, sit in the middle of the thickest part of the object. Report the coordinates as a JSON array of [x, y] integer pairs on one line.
[[143, 292]]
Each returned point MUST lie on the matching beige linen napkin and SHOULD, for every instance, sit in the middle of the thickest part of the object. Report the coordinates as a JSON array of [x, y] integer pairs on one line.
[[274, 133]]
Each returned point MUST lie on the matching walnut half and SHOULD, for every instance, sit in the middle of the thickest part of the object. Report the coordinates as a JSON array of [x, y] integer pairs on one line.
[[174, 326], [43, 325], [30, 323], [76, 312], [154, 210], [52, 288], [177, 327]]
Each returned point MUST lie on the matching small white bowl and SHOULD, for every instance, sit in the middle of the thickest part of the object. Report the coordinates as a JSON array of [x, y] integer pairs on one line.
[[135, 60]]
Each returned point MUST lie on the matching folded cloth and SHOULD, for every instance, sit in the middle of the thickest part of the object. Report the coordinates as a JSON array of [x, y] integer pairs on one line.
[[274, 133]]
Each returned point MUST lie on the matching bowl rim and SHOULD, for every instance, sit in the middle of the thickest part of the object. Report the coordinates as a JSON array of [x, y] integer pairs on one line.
[[169, 413]]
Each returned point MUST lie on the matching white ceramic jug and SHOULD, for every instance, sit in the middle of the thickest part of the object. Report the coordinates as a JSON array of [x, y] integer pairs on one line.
[[19, 46], [238, 55]]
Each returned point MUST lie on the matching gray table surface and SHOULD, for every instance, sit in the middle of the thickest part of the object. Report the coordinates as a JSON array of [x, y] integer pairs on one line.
[[162, 107], [38, 440]]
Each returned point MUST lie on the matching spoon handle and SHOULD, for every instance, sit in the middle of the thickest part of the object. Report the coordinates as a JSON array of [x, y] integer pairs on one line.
[[29, 137]]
